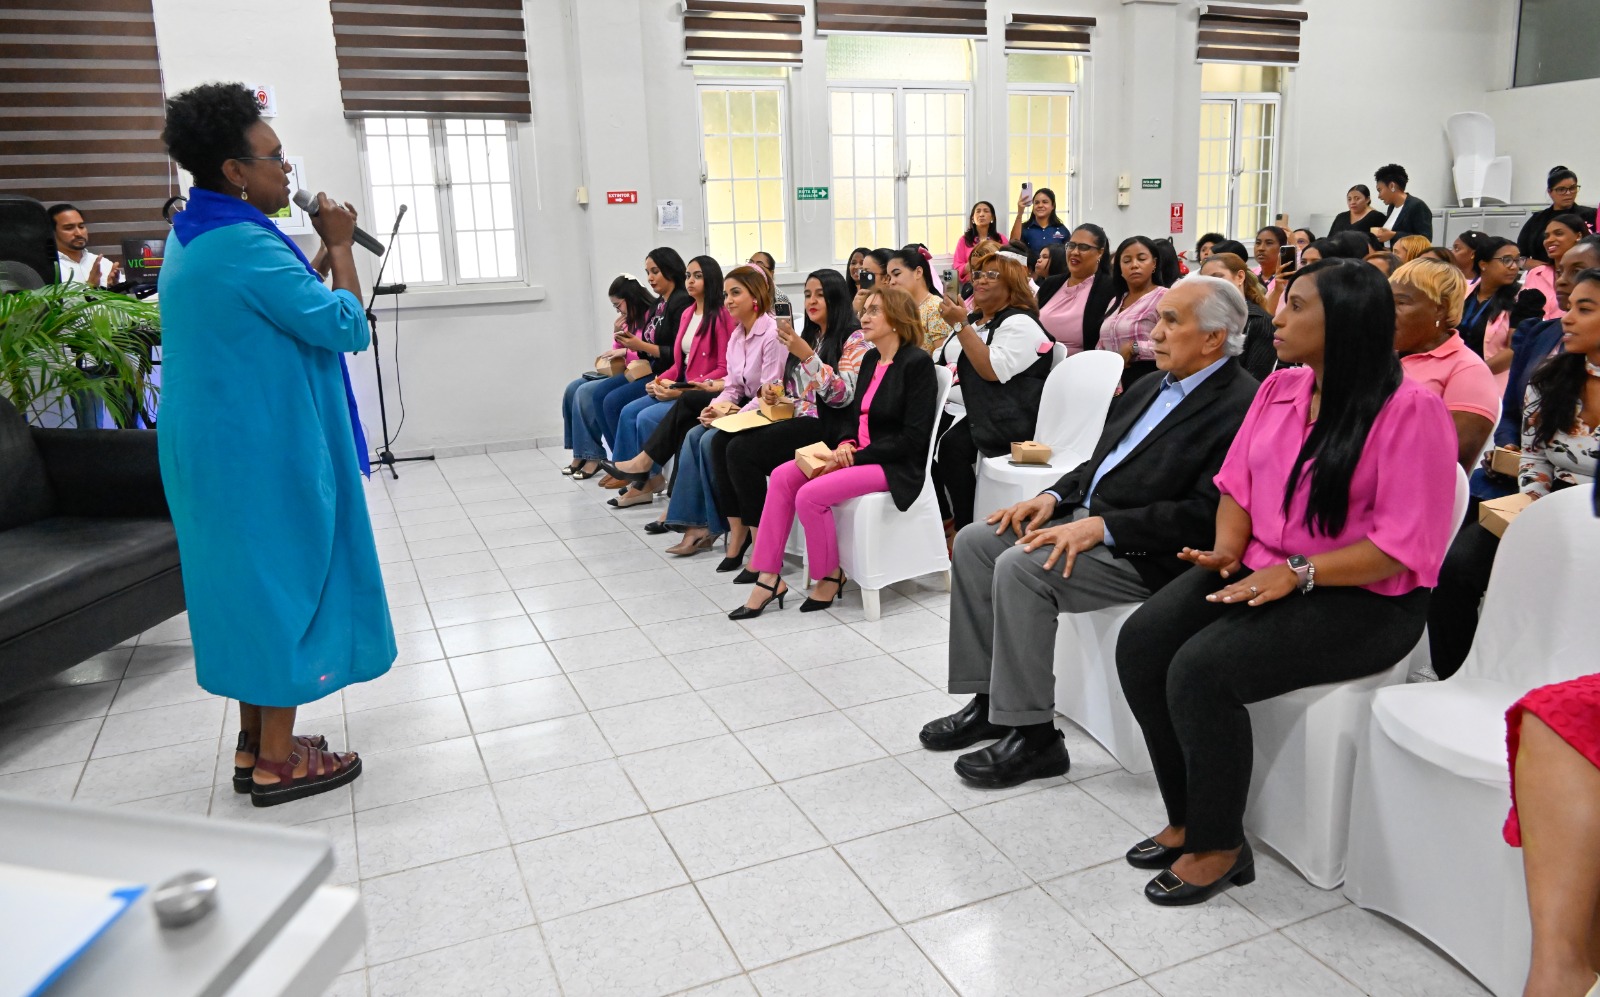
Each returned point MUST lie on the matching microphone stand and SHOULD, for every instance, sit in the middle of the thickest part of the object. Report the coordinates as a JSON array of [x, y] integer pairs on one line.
[[386, 458]]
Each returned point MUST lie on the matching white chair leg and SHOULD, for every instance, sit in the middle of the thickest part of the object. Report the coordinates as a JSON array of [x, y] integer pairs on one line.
[[870, 604], [946, 576]]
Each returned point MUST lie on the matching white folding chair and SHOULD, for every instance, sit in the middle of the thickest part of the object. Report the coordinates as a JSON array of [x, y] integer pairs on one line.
[[1431, 787], [1306, 743], [1088, 691], [1072, 412], [880, 545]]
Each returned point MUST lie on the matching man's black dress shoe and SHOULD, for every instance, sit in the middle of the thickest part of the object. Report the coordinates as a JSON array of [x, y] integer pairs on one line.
[[1167, 890], [1009, 761], [1150, 854], [959, 730]]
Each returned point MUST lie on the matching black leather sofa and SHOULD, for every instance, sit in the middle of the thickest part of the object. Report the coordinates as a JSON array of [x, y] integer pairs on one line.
[[88, 557]]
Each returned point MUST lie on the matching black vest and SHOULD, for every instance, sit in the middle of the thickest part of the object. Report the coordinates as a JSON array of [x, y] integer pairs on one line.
[[1002, 413]]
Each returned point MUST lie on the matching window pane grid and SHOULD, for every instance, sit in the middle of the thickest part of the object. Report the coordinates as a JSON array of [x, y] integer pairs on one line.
[[862, 130], [457, 179], [1216, 166], [742, 147], [1040, 146], [482, 207], [936, 185]]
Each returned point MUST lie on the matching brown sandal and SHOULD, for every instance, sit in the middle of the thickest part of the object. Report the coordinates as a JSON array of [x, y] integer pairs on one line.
[[241, 773], [325, 770]]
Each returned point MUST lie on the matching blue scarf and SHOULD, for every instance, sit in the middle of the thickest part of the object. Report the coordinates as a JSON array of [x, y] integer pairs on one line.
[[209, 210]]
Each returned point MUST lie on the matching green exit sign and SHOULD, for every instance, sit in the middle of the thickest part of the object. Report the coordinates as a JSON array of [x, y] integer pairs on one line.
[[1150, 183], [811, 193]]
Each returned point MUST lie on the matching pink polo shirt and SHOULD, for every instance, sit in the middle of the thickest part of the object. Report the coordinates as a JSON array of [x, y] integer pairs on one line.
[[1062, 315], [1401, 495], [1458, 375]]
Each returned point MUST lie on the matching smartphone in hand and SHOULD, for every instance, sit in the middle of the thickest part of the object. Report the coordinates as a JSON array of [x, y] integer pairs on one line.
[[783, 309], [948, 277], [867, 279]]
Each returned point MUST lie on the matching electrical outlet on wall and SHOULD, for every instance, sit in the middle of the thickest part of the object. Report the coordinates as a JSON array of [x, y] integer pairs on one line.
[[1124, 199], [1124, 182], [583, 195]]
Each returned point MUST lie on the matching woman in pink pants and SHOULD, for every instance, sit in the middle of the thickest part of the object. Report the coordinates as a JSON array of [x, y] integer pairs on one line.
[[880, 443]]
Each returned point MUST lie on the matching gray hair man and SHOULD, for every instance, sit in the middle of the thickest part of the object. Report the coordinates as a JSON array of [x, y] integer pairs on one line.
[[1108, 532]]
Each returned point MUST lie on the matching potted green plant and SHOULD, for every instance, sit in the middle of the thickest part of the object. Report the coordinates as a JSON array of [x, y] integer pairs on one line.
[[66, 341]]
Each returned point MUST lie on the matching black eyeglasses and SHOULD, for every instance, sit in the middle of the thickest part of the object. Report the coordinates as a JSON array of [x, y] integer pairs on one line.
[[280, 159], [1508, 261], [1565, 190], [1083, 247]]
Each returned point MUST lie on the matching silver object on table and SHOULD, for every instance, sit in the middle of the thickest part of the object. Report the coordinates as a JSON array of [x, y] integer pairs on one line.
[[185, 899]]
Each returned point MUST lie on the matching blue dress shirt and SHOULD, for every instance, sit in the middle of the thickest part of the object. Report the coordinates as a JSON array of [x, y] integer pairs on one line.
[[1172, 393]]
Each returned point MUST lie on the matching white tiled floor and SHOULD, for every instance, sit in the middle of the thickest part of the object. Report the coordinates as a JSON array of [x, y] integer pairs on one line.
[[582, 778]]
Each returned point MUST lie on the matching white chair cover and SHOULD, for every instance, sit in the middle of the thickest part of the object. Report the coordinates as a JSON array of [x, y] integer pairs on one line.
[[1432, 789], [1072, 412], [880, 545], [1497, 181], [1088, 691], [1306, 744], [1472, 142]]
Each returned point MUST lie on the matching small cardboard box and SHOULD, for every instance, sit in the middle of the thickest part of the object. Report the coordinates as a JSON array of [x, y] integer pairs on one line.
[[777, 411], [638, 369], [1495, 515], [813, 458], [610, 366], [1506, 461], [1030, 452]]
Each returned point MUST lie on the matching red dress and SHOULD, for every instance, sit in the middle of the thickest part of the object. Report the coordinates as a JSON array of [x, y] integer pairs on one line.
[[1572, 710]]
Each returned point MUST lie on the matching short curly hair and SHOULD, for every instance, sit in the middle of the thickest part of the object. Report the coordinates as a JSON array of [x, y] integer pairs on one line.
[[205, 128]]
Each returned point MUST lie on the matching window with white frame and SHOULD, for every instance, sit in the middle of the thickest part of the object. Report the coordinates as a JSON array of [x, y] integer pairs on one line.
[[458, 177], [1041, 92], [898, 145], [1240, 120], [741, 130]]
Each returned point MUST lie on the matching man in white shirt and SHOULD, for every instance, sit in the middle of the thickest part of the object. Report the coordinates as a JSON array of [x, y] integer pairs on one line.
[[72, 250]]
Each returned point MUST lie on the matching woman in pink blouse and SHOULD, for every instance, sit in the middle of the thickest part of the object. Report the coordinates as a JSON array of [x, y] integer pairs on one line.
[[1335, 514], [1072, 306], [1137, 290]]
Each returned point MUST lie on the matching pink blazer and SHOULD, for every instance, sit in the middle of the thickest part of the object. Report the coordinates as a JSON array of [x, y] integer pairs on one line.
[[708, 354]]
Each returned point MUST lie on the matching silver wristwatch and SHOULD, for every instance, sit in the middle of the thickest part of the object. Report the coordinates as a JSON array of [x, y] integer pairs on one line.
[[1305, 571]]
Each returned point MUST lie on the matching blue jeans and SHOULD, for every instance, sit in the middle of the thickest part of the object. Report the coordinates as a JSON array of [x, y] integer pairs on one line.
[[581, 415], [640, 418], [694, 499], [611, 413]]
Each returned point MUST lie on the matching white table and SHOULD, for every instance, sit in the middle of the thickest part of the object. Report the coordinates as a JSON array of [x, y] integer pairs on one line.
[[275, 931]]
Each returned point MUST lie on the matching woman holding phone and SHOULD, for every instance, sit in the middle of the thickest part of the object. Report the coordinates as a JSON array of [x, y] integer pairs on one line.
[[1043, 226]]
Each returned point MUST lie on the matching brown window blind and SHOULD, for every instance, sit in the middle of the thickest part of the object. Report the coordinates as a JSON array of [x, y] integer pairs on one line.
[[1260, 35], [742, 31], [963, 18], [431, 57], [1066, 33], [81, 114]]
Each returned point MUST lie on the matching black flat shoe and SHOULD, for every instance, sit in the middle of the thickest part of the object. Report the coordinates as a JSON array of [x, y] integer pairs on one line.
[[579, 474], [960, 730], [1151, 854], [812, 605], [1167, 890], [735, 560], [656, 527], [746, 613], [1010, 762], [621, 475], [746, 577]]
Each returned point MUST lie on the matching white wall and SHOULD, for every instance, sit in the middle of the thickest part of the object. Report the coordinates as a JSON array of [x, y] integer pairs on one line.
[[614, 108]]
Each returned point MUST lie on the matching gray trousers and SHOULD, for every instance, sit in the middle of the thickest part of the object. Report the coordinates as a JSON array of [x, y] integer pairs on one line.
[[1003, 609]]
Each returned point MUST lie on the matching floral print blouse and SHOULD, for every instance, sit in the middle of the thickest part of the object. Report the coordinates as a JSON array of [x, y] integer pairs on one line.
[[1568, 459]]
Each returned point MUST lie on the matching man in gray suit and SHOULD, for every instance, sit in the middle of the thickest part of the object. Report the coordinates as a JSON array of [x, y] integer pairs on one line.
[[1108, 532]]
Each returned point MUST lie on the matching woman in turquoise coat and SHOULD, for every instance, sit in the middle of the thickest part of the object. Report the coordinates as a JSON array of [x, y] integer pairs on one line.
[[261, 450]]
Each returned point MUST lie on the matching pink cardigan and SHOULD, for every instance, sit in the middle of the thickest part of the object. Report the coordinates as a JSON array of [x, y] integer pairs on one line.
[[708, 354]]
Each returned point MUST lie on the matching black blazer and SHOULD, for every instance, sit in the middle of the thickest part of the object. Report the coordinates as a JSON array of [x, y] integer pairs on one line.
[[1161, 498], [900, 422], [667, 336], [1415, 218], [1260, 357]]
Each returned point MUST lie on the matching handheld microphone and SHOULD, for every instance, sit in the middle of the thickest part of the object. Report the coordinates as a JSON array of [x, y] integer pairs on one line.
[[308, 203]]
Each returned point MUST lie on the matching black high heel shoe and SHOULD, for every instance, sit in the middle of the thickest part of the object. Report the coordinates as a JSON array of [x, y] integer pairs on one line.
[[735, 559], [746, 613], [1167, 890], [621, 475], [813, 605]]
